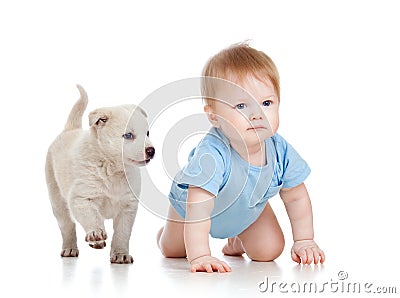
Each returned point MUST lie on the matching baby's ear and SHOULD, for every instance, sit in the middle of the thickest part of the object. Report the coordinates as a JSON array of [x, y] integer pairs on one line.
[[212, 117]]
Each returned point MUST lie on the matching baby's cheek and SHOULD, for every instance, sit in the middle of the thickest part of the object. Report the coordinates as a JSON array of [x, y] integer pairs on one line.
[[273, 121]]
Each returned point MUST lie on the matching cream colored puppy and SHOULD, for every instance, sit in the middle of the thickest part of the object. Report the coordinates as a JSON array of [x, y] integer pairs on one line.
[[85, 172]]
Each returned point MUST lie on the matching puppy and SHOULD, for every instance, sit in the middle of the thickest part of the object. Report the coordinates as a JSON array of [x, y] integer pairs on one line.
[[86, 175]]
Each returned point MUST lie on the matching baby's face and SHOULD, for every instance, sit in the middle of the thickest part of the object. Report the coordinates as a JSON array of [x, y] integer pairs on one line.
[[246, 116]]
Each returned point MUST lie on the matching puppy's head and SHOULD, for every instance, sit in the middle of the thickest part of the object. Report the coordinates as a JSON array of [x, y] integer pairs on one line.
[[123, 130]]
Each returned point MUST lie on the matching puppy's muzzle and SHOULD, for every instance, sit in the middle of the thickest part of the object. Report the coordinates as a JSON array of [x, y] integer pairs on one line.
[[150, 151]]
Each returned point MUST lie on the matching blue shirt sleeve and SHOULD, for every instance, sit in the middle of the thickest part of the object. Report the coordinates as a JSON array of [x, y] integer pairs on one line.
[[295, 169], [205, 169]]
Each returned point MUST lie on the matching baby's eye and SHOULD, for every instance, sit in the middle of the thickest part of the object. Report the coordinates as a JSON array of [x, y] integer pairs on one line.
[[128, 136], [267, 103], [240, 106]]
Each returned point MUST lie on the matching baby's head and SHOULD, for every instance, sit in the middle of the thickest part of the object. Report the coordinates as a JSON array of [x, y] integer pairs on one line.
[[241, 92]]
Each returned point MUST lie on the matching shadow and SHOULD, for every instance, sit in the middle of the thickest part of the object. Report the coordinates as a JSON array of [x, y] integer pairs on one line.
[[120, 281], [120, 273], [94, 275], [174, 265], [69, 266], [243, 279], [96, 281], [307, 272]]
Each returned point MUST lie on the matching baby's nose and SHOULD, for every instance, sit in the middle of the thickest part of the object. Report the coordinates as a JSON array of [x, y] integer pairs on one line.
[[256, 116]]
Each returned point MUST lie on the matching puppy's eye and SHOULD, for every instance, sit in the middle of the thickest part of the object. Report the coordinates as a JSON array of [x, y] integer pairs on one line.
[[148, 134], [128, 136]]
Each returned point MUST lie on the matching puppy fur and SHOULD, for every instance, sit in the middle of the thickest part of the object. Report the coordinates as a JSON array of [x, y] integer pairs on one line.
[[86, 175]]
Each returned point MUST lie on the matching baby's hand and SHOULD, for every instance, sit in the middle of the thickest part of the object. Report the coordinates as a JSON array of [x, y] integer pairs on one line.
[[305, 251], [208, 264]]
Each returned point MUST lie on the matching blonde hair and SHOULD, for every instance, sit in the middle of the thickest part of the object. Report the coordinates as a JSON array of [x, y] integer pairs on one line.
[[239, 61]]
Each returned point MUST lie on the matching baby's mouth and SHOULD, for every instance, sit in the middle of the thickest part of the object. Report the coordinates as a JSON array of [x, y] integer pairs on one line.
[[258, 127]]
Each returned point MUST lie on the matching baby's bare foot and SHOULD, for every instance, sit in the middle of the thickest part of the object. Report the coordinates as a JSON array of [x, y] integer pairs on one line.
[[234, 247]]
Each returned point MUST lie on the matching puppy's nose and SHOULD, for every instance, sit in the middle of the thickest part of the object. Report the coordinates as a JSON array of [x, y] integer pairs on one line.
[[150, 151]]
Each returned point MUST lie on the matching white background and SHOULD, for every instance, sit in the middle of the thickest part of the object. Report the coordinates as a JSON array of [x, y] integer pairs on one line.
[[339, 65]]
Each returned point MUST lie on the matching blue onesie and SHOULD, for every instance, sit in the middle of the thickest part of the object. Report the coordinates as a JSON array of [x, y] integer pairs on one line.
[[241, 190]]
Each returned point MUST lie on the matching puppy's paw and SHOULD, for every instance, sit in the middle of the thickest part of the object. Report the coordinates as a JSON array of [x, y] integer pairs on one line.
[[70, 252], [98, 244], [121, 259], [96, 235]]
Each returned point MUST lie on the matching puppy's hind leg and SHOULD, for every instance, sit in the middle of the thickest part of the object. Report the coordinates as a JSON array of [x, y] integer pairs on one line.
[[62, 214]]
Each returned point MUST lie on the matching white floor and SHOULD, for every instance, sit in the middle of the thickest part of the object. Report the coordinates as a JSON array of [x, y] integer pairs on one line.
[[32, 266]]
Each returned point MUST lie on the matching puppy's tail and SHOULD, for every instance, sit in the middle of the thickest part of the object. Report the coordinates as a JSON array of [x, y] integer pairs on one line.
[[75, 116]]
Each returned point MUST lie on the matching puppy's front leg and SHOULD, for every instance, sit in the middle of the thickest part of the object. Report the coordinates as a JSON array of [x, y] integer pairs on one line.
[[86, 212], [122, 224]]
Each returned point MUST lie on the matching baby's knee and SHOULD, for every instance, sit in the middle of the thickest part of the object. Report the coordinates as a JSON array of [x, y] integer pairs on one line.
[[167, 249], [267, 253]]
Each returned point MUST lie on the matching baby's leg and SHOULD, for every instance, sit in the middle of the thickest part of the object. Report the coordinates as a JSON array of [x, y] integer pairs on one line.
[[234, 247], [170, 237], [263, 240]]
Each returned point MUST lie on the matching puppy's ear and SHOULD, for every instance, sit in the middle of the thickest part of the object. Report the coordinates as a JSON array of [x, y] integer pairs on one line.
[[141, 110], [98, 118]]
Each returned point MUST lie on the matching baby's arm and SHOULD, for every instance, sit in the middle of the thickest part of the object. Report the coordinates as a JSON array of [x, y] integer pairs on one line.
[[298, 206], [200, 204]]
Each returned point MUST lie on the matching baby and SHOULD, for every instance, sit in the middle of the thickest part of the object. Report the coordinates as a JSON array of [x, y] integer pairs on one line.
[[234, 170]]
